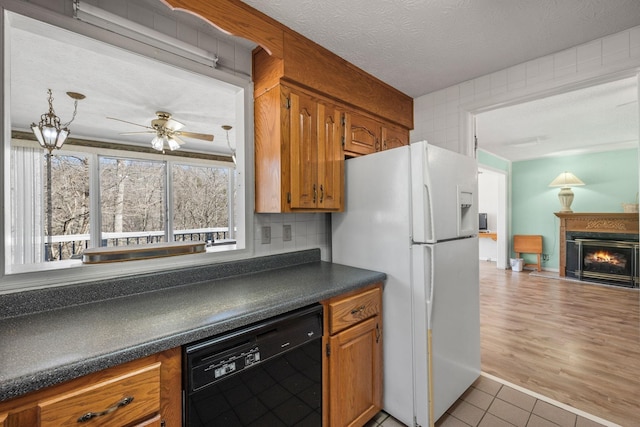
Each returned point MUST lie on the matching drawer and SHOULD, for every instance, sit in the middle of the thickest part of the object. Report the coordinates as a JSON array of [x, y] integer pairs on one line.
[[348, 311], [109, 398]]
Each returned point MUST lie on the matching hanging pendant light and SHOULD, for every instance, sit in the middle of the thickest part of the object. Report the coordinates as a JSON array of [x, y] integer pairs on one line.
[[49, 132], [52, 135], [227, 128]]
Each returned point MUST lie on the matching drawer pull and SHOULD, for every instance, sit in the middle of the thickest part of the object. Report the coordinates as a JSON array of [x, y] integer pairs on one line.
[[90, 415], [358, 310]]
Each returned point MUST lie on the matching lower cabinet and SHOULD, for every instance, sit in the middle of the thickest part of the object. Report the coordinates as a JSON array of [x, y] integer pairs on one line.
[[353, 362], [144, 392]]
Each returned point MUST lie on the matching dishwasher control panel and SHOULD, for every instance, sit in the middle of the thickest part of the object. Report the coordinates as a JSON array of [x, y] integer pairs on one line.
[[218, 358], [234, 363]]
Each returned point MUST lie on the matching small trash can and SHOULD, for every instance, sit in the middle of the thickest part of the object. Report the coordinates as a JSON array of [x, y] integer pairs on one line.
[[517, 264]]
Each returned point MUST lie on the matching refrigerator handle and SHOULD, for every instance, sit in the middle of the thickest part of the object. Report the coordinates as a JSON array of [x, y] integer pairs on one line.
[[426, 182], [430, 297]]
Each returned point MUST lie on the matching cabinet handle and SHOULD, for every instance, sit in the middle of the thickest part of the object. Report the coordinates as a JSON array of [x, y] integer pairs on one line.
[[321, 193], [315, 193], [358, 310], [90, 415]]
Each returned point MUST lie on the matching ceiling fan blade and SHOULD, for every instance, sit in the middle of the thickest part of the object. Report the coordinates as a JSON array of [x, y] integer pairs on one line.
[[138, 133], [178, 140], [203, 136], [173, 124], [131, 123]]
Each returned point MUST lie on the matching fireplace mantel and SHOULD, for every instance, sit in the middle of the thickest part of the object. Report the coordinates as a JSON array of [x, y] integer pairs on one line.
[[623, 223]]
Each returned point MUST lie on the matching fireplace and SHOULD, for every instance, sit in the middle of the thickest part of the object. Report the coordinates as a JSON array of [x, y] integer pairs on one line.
[[600, 247], [603, 260]]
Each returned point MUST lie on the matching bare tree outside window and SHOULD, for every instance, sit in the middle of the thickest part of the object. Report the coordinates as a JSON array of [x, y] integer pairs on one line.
[[201, 198], [132, 201], [70, 204]]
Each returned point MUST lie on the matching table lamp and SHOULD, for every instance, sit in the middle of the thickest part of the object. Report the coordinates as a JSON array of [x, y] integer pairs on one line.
[[566, 180]]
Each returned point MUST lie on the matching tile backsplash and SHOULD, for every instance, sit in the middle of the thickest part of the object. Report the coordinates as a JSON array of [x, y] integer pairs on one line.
[[308, 230]]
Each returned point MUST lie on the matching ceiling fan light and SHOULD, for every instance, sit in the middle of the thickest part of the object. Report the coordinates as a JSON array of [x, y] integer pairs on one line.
[[173, 144], [157, 143]]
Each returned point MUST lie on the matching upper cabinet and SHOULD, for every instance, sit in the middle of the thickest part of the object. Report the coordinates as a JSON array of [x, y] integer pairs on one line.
[[393, 136], [361, 134], [299, 157], [365, 135]]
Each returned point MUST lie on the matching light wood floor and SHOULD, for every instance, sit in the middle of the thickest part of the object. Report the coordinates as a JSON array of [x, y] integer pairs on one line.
[[573, 342]]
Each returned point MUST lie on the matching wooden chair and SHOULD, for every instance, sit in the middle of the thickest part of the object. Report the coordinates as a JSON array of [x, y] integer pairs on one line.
[[528, 244]]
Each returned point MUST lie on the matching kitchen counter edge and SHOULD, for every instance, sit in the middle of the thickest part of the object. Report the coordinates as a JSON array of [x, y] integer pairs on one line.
[[269, 289]]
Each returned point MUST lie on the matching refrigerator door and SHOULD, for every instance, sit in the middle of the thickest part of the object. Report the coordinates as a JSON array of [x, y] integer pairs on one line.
[[445, 280], [444, 194], [374, 233]]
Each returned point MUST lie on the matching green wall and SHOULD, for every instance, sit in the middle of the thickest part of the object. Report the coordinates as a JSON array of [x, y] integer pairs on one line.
[[611, 178], [488, 159]]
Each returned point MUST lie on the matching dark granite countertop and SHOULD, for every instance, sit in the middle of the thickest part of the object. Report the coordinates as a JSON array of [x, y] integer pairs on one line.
[[135, 317]]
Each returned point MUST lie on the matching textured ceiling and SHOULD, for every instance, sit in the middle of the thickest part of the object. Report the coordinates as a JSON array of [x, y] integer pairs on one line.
[[599, 118], [116, 83], [416, 46], [420, 46]]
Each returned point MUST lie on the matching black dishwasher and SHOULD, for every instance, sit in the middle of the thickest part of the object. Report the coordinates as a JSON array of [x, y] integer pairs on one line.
[[266, 374]]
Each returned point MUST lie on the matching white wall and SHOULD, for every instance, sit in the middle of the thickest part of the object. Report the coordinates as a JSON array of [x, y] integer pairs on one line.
[[488, 199], [443, 118]]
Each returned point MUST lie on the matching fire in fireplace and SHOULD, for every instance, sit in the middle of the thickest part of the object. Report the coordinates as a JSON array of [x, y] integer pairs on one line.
[[602, 260]]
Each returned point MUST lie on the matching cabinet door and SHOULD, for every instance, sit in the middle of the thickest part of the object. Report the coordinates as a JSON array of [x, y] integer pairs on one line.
[[330, 159], [393, 137], [361, 134], [304, 151], [355, 374]]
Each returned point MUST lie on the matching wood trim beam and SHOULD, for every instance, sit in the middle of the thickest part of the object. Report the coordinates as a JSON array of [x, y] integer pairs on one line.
[[238, 19]]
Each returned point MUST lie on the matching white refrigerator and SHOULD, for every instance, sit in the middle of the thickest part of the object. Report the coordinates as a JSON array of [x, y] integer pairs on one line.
[[411, 212]]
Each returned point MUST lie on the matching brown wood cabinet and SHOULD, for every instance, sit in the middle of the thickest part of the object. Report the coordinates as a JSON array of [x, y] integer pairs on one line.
[[393, 136], [299, 157], [144, 392], [361, 134], [353, 362], [365, 135]]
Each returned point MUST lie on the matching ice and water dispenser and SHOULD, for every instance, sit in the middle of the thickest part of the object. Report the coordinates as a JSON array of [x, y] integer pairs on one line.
[[467, 212]]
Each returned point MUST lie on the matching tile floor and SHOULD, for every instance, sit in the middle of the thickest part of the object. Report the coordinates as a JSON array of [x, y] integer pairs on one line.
[[489, 403]]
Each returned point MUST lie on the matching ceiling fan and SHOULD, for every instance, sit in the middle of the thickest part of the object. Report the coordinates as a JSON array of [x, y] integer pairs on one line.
[[167, 130]]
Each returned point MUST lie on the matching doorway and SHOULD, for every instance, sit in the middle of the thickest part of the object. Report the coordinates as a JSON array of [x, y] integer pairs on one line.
[[492, 200]]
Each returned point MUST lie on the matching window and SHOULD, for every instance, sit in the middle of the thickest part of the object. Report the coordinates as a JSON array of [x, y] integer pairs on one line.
[[138, 201], [109, 186]]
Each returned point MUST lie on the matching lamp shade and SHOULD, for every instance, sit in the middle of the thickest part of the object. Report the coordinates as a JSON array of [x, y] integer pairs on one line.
[[565, 180]]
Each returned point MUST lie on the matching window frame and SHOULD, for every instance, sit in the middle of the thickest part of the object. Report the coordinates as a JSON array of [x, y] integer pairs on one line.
[[60, 275]]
